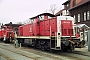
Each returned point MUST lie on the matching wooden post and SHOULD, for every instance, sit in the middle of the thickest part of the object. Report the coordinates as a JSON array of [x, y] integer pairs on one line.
[[88, 40], [20, 45]]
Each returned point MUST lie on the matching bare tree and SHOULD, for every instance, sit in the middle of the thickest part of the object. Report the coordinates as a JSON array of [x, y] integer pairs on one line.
[[19, 22], [46, 11], [53, 8], [27, 21]]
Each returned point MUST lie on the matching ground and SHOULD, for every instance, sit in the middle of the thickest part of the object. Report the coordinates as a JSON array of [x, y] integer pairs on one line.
[[9, 52]]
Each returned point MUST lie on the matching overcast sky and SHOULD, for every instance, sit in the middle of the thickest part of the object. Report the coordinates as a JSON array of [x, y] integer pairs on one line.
[[20, 10]]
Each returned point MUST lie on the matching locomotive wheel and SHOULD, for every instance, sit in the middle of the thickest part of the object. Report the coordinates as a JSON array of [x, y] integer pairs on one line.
[[71, 48], [42, 48], [52, 51], [82, 43], [64, 49]]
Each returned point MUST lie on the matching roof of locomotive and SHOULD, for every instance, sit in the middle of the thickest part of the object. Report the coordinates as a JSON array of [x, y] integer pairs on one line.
[[48, 14]]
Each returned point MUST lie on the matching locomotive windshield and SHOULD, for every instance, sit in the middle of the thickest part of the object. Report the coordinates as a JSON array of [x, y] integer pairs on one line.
[[41, 17]]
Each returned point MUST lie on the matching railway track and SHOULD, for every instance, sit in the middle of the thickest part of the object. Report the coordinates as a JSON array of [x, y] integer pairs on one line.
[[46, 54], [4, 47], [56, 56], [16, 53], [81, 54], [39, 52], [7, 58], [76, 54]]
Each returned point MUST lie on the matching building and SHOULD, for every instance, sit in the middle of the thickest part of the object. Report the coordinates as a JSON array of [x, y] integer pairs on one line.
[[67, 5], [81, 12], [64, 12], [79, 9], [13, 26]]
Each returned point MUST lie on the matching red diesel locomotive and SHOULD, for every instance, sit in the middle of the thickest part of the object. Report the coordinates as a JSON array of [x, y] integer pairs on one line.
[[6, 34], [48, 32]]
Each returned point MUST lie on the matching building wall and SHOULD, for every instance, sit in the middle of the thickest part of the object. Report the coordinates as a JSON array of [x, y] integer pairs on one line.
[[74, 2], [77, 1], [71, 3], [80, 10], [68, 5]]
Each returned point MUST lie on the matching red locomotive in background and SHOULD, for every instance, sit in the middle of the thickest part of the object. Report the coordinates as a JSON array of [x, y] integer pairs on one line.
[[48, 32], [6, 34]]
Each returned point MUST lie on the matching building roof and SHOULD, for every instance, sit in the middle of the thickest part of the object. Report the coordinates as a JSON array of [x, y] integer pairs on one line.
[[66, 2], [13, 25], [83, 26], [82, 2]]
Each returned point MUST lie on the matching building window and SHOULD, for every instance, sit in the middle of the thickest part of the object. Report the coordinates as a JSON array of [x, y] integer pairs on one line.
[[88, 15], [78, 17], [67, 12], [74, 18], [84, 16], [67, 5], [74, 3]]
